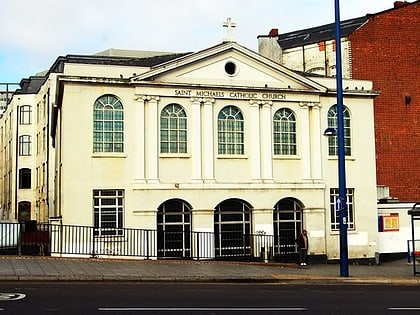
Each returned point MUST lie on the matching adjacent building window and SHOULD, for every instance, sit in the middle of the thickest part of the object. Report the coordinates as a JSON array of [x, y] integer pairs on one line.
[[335, 216], [284, 132], [108, 125], [24, 178], [24, 211], [173, 129], [389, 222], [25, 115], [332, 123], [25, 145], [230, 128], [108, 211]]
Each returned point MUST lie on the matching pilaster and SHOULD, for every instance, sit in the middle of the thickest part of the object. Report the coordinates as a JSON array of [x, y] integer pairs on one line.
[[139, 128], [316, 141], [266, 142], [255, 145], [151, 139], [196, 135], [305, 153], [208, 140]]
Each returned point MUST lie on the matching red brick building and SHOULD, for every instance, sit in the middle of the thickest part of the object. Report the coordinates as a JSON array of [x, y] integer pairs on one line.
[[384, 48]]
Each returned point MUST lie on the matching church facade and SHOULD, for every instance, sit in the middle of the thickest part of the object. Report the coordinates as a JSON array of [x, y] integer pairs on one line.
[[221, 142]]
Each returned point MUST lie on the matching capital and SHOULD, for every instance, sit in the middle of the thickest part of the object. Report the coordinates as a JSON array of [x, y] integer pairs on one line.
[[204, 100]]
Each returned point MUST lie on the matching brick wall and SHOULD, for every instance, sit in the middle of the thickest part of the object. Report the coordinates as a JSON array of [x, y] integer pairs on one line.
[[386, 50]]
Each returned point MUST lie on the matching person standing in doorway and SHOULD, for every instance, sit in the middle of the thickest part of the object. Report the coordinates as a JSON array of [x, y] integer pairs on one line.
[[303, 244]]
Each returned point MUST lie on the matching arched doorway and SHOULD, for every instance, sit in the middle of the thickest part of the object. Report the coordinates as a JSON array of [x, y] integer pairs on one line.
[[174, 229], [287, 220], [232, 229]]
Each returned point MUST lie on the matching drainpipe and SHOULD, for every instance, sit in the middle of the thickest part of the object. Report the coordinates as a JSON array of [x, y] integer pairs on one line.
[[16, 162]]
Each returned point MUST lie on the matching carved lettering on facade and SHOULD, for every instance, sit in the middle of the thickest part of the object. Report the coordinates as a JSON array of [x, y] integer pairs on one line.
[[232, 94], [183, 92]]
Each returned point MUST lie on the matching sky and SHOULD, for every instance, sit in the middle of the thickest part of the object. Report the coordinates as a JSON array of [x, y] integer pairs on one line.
[[35, 32]]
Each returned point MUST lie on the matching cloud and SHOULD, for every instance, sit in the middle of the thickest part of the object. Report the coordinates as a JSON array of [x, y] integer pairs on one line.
[[35, 33]]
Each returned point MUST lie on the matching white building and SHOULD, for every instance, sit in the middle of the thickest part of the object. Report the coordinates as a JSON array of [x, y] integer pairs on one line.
[[221, 141]]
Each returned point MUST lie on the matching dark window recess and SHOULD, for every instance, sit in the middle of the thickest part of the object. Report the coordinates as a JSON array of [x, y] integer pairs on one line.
[[24, 178], [230, 68]]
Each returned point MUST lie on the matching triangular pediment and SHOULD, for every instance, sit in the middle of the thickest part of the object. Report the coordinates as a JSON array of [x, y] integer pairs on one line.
[[228, 64]]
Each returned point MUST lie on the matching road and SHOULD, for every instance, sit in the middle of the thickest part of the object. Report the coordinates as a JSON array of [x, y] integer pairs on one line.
[[206, 298]]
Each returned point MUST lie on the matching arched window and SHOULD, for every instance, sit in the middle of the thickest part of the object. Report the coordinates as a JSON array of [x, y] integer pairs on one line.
[[287, 220], [233, 228], [230, 128], [173, 129], [284, 132], [25, 142], [108, 124], [332, 123], [174, 229]]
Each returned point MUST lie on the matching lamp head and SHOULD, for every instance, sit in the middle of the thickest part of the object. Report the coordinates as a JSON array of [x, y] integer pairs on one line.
[[330, 132]]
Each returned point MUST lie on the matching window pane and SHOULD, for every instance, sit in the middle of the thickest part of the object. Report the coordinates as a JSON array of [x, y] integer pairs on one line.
[[118, 126], [164, 147], [118, 147], [118, 115], [182, 135], [183, 124], [173, 123], [108, 136], [98, 115], [164, 123], [182, 147], [118, 137], [173, 135]]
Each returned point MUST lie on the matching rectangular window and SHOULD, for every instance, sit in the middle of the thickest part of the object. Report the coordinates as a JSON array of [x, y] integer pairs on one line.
[[389, 222], [335, 218], [25, 115], [108, 211], [25, 145], [24, 178]]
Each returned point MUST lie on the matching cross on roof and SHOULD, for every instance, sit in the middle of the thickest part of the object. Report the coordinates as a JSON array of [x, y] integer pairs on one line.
[[229, 25]]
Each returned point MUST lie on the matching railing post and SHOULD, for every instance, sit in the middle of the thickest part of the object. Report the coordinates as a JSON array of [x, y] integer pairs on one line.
[[93, 241], [147, 244], [19, 243], [198, 244]]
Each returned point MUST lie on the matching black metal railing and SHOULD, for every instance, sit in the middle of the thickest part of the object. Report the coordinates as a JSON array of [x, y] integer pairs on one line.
[[31, 238]]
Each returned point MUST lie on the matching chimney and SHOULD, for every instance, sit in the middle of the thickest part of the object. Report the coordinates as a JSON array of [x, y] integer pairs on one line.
[[269, 47], [398, 4], [274, 32]]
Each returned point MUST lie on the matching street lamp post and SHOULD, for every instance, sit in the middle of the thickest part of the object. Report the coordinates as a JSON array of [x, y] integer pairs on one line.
[[341, 203]]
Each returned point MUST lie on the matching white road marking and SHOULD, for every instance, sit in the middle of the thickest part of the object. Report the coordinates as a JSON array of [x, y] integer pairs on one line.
[[243, 309], [11, 296], [403, 308]]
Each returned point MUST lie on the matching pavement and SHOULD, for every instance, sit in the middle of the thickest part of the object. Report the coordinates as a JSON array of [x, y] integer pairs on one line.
[[42, 268]]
